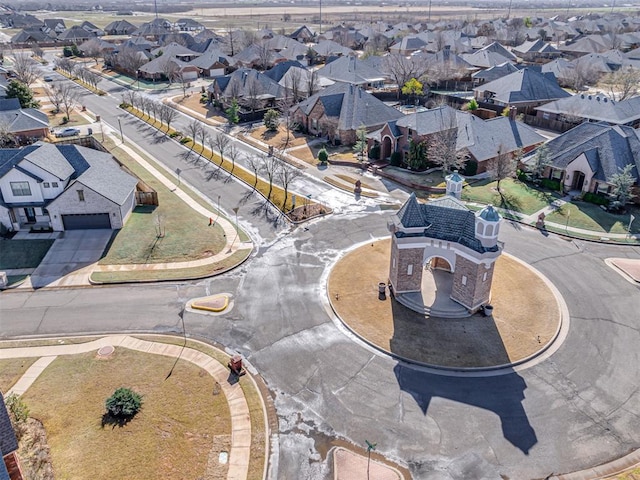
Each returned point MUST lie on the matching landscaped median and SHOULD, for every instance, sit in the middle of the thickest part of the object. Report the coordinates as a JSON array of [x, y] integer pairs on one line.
[[172, 232], [75, 79], [272, 192]]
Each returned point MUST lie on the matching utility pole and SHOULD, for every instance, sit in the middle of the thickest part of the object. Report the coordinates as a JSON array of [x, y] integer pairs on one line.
[[509, 11], [155, 6], [429, 17], [320, 17]]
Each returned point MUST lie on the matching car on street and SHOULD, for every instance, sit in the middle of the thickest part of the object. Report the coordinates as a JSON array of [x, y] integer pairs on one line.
[[67, 132], [48, 78]]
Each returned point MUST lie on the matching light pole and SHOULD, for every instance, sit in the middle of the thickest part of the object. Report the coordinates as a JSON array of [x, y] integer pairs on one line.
[[566, 225], [370, 446], [121, 135], [235, 210], [631, 219]]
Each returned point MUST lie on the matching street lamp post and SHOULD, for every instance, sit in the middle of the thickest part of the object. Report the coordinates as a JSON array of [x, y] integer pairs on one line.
[[120, 126], [235, 210]]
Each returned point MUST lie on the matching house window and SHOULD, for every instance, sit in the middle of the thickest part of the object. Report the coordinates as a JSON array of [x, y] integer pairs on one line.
[[484, 277], [464, 279], [314, 123], [556, 174], [80, 195], [410, 270], [602, 188], [20, 189], [46, 185], [54, 184]]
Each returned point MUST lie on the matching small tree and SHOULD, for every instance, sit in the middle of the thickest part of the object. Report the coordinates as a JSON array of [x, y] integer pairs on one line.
[[271, 120], [417, 158], [323, 156], [472, 105], [413, 88], [123, 403], [622, 183], [361, 142], [541, 160], [501, 167], [232, 112], [18, 414]]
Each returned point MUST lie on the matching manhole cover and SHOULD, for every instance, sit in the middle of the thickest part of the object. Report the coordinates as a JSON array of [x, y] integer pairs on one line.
[[106, 351]]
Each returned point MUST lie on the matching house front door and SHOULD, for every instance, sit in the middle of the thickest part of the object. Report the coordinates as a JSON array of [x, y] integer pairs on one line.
[[30, 213], [578, 181]]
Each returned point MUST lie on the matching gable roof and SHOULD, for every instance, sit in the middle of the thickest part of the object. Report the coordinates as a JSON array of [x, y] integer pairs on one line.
[[495, 72], [525, 85], [599, 108], [608, 148], [8, 440], [484, 58]]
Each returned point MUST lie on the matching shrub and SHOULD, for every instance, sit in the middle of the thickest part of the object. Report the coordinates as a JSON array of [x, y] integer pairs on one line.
[[184, 140], [174, 134], [396, 159], [123, 403], [323, 155], [550, 183], [65, 120], [470, 168], [271, 120], [595, 198], [374, 152]]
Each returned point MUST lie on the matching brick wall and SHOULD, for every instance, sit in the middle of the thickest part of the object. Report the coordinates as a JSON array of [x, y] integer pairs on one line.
[[68, 203], [470, 287], [406, 269]]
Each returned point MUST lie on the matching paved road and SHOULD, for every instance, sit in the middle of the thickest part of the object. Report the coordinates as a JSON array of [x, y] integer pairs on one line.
[[578, 408]]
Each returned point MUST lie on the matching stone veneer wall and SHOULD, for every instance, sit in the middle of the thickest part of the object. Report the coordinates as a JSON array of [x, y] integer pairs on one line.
[[405, 273], [470, 286]]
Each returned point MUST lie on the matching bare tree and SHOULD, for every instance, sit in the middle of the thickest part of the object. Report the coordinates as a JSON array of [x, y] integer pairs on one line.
[[312, 83], [7, 139], [502, 166], [286, 175], [221, 143], [168, 115], [92, 49], [402, 68], [622, 84], [580, 75], [193, 129], [252, 100], [67, 98], [54, 95], [37, 50], [264, 55], [270, 167], [25, 68], [442, 146], [130, 60], [170, 70], [255, 164], [234, 154], [65, 65]]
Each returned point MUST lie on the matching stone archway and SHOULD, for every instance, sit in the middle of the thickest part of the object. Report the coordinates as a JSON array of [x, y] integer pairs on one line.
[[438, 263], [387, 148]]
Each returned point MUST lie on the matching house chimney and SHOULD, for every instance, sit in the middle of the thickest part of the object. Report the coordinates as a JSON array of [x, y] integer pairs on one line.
[[446, 52], [513, 112]]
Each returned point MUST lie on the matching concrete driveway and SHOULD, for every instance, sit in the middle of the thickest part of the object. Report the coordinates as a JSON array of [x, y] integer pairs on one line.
[[71, 258]]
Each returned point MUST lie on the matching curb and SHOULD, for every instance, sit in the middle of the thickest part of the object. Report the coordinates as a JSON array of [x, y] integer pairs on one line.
[[494, 370]]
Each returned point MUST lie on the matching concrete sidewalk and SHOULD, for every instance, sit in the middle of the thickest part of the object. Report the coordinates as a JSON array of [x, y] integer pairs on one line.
[[240, 418]]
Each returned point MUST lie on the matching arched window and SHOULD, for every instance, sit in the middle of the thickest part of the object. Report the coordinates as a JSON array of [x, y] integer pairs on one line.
[[488, 230], [480, 229]]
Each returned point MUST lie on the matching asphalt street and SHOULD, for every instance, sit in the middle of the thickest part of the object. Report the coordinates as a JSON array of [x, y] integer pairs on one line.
[[576, 409]]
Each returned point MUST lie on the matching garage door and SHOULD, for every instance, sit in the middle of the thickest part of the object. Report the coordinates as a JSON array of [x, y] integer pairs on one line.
[[86, 221]]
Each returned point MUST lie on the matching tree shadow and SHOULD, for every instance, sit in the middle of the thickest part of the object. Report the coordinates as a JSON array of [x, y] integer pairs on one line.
[[510, 202], [115, 421]]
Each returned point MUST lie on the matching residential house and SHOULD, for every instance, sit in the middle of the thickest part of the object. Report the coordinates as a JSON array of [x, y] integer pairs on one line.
[[354, 71], [493, 73], [30, 35], [536, 51], [340, 110], [188, 25], [586, 158], [592, 108], [524, 90], [213, 63], [120, 27], [481, 140], [252, 89], [25, 124], [63, 187], [76, 34], [585, 45], [55, 25], [153, 29], [91, 28], [407, 45], [171, 62], [10, 466], [328, 48], [299, 83], [257, 56], [303, 34]]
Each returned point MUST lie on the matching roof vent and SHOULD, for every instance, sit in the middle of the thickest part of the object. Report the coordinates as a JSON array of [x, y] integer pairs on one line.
[[589, 97], [605, 100], [598, 99], [582, 95]]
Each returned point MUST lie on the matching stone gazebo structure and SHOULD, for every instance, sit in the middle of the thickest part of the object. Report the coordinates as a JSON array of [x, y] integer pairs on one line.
[[444, 234]]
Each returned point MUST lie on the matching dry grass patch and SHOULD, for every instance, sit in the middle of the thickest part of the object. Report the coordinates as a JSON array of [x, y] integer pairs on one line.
[[192, 102], [279, 138], [180, 427], [525, 318], [11, 370]]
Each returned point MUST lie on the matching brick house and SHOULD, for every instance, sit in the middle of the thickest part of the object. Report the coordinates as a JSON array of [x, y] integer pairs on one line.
[[25, 124], [443, 234], [10, 466], [63, 187], [340, 110], [481, 140]]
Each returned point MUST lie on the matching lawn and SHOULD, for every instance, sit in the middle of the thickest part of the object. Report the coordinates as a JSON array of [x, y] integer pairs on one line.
[[23, 253], [309, 154], [187, 234], [180, 427], [55, 119], [279, 137], [591, 217], [516, 195], [11, 370]]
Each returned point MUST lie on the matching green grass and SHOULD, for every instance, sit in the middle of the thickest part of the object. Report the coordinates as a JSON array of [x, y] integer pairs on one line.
[[11, 370], [187, 234], [591, 217], [174, 273], [516, 195], [180, 424], [23, 253]]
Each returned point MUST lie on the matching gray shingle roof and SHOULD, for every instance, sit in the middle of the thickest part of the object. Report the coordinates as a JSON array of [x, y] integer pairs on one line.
[[597, 108], [350, 70], [51, 160], [8, 441], [607, 148], [445, 219], [523, 86]]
